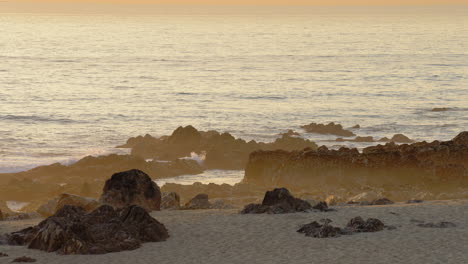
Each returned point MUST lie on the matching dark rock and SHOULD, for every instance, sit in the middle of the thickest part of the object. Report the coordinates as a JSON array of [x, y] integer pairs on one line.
[[278, 201], [317, 230], [461, 139], [414, 201], [358, 224], [132, 187], [72, 231], [24, 259], [438, 225], [3, 254], [329, 129], [170, 200], [382, 201], [321, 206], [198, 202]]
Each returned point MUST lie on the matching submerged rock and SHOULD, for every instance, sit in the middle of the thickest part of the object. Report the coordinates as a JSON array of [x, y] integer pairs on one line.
[[329, 129], [132, 187], [278, 201], [72, 231]]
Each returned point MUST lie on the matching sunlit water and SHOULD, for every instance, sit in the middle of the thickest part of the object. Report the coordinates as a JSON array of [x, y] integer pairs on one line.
[[75, 85]]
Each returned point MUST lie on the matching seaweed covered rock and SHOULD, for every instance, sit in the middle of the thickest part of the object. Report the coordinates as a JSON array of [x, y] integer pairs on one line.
[[132, 187], [278, 201], [73, 231]]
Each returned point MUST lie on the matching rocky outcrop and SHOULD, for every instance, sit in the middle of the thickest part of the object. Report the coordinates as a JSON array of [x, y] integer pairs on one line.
[[72, 231], [52, 206], [328, 129], [200, 201], [170, 201], [397, 171], [132, 187], [223, 151], [278, 201]]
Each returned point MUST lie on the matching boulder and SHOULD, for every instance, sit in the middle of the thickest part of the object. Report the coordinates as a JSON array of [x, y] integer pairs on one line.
[[170, 200], [73, 231], [358, 224], [132, 187], [278, 201], [198, 202]]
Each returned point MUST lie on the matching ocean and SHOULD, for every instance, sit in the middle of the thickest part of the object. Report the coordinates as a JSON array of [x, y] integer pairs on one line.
[[73, 85]]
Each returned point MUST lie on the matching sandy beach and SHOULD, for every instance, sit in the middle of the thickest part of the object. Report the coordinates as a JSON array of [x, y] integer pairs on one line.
[[224, 236]]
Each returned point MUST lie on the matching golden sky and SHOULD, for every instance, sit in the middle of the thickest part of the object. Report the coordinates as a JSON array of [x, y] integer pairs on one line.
[[258, 2]]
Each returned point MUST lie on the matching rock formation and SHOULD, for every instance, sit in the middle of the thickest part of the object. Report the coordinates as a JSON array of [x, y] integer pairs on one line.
[[398, 171], [132, 187], [278, 201], [170, 200], [223, 151], [72, 231], [328, 129]]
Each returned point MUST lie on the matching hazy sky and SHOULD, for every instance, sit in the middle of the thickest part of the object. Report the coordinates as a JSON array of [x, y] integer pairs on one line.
[[260, 2]]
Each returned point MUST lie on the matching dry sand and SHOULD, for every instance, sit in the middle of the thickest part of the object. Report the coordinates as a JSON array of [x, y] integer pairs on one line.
[[224, 236]]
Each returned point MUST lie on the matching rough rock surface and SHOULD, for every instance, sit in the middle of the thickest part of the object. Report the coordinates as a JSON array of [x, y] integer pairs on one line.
[[223, 151], [328, 129], [132, 187], [200, 201], [397, 171], [355, 225], [170, 200], [52, 206], [278, 201], [72, 231]]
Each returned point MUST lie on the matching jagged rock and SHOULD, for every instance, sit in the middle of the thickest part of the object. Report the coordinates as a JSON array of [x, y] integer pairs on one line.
[[24, 259], [170, 200], [382, 201], [358, 224], [132, 187], [317, 230], [329, 129], [72, 231], [400, 138], [52, 206], [198, 202], [278, 201], [438, 225]]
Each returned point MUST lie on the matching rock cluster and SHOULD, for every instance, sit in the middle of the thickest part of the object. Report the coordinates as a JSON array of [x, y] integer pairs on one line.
[[132, 187], [328, 129], [355, 225], [434, 168], [279, 201], [73, 231]]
